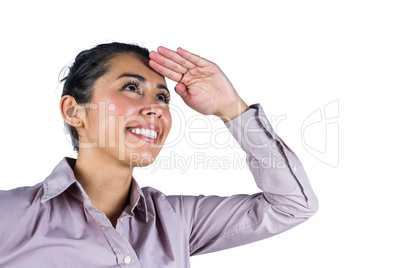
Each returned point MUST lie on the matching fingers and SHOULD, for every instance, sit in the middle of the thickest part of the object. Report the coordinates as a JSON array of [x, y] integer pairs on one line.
[[194, 59], [183, 57], [174, 65], [175, 57], [166, 62], [165, 71], [181, 90], [169, 64]]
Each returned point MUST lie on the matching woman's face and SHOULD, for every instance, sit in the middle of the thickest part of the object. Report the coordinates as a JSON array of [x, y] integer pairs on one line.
[[128, 117]]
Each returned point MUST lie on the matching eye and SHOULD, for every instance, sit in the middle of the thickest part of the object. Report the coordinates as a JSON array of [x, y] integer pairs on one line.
[[163, 97], [133, 86]]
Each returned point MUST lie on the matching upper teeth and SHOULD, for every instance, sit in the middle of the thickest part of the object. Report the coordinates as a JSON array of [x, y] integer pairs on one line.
[[145, 132]]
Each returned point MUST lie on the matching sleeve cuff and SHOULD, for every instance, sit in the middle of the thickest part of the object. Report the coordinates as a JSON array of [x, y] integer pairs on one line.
[[248, 127]]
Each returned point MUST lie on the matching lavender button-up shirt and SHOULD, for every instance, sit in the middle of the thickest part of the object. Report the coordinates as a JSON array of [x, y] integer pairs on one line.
[[53, 223]]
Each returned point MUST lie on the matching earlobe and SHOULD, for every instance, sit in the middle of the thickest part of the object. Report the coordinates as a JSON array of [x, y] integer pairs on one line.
[[70, 112]]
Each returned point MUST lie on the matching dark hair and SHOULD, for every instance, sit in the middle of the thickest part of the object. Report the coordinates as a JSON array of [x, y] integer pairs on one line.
[[89, 66]]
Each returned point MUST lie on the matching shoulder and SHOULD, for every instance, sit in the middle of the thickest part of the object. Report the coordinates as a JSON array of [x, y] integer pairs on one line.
[[176, 203], [152, 193], [23, 196], [19, 200], [157, 199], [155, 194], [19, 208]]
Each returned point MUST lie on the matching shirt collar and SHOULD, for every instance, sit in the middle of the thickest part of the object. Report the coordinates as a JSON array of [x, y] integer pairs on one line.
[[137, 200], [59, 180], [62, 177]]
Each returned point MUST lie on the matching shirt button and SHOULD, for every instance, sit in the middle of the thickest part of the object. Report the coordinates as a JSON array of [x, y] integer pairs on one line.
[[127, 260], [121, 219], [294, 168]]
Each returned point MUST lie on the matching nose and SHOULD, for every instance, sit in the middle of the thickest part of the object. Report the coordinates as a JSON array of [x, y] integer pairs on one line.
[[152, 110]]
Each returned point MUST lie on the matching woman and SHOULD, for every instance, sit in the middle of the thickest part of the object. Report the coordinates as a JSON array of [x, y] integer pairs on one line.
[[90, 212]]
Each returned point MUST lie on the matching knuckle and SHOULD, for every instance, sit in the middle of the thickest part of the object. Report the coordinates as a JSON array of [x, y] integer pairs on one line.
[[182, 62]]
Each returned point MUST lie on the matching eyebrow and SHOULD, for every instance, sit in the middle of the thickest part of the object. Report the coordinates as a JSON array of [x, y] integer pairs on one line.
[[142, 80]]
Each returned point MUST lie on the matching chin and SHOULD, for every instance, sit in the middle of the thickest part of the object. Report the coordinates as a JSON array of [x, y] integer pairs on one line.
[[141, 159]]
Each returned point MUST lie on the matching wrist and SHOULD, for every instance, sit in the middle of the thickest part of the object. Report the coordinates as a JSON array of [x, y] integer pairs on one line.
[[232, 111]]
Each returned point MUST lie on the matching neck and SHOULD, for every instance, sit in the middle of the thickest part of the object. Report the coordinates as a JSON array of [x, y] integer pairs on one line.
[[106, 182]]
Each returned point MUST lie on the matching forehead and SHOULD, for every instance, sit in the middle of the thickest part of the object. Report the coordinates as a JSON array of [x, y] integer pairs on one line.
[[134, 64]]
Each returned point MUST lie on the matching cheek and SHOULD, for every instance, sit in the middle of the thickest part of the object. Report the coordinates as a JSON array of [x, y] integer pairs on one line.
[[104, 120], [121, 108], [168, 120], [119, 113]]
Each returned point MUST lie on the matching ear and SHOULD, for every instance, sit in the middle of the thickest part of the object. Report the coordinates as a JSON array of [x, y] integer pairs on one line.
[[70, 111]]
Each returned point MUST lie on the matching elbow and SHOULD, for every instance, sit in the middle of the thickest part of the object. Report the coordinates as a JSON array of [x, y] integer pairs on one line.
[[301, 207], [311, 208], [299, 210], [306, 209]]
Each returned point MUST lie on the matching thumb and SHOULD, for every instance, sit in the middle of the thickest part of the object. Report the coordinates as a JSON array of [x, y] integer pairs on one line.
[[181, 90]]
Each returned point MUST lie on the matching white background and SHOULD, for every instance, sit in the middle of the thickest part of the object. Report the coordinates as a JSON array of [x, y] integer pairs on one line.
[[293, 57]]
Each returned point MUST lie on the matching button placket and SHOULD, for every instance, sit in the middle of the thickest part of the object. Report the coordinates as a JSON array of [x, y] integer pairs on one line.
[[127, 260]]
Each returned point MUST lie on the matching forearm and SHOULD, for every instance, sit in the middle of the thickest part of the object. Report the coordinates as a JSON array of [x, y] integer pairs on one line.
[[216, 223], [233, 110], [276, 169]]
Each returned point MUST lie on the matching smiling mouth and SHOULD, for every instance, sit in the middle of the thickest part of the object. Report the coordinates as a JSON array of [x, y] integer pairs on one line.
[[148, 133]]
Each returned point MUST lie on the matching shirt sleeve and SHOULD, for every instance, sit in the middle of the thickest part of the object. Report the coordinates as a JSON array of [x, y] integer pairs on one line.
[[287, 199]]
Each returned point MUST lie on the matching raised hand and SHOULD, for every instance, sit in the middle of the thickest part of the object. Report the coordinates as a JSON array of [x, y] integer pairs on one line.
[[200, 83]]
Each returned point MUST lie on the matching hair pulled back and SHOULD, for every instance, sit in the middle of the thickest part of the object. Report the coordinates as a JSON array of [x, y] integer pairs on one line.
[[89, 66]]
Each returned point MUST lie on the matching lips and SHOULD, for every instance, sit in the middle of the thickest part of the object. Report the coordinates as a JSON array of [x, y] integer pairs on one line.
[[145, 132]]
